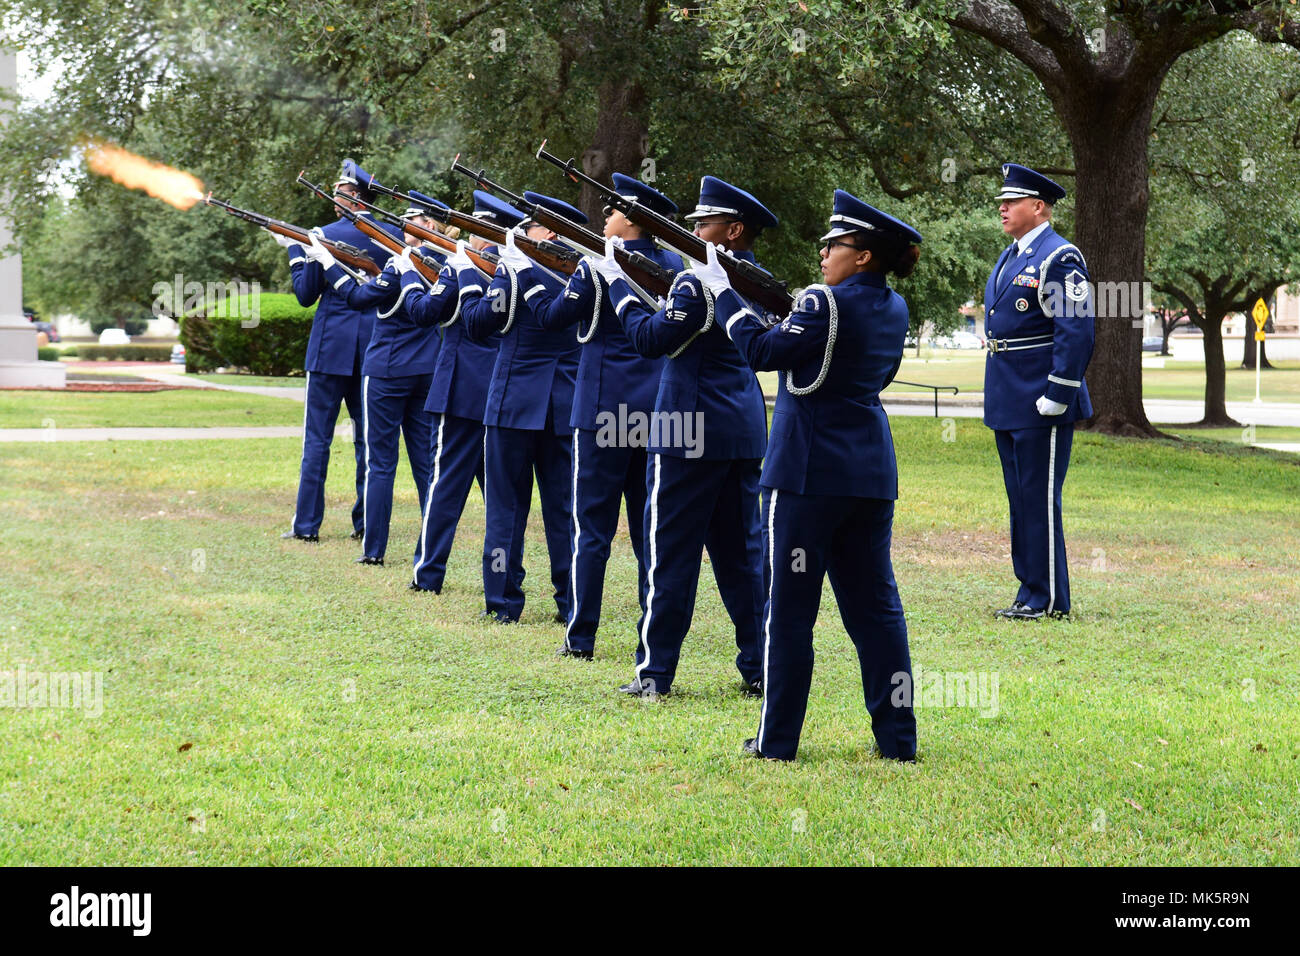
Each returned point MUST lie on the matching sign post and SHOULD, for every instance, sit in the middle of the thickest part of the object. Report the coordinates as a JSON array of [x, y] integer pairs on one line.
[[1260, 315]]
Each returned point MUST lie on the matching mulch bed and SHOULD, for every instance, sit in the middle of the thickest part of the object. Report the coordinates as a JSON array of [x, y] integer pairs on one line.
[[102, 387]]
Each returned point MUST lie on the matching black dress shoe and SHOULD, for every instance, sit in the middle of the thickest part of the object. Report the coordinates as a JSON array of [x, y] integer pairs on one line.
[[293, 535], [560, 618], [1020, 612], [357, 535], [750, 748], [1059, 615], [497, 617], [367, 560], [753, 688], [639, 688], [419, 587], [574, 653]]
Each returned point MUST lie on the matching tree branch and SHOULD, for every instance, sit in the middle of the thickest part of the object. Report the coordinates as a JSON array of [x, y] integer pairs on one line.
[[1004, 27]]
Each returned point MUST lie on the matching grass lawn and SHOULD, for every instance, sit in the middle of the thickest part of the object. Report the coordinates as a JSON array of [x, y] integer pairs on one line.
[[190, 408], [1248, 435], [1177, 380], [231, 378], [272, 702]]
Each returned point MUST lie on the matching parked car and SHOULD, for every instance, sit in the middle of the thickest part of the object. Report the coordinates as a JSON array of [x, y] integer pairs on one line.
[[961, 339], [114, 337], [1152, 343], [178, 354], [51, 333]]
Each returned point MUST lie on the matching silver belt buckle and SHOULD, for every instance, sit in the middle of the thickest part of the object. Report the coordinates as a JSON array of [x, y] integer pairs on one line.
[[997, 345]]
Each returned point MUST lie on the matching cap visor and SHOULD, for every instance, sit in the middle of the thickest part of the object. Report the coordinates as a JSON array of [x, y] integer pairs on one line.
[[837, 232]]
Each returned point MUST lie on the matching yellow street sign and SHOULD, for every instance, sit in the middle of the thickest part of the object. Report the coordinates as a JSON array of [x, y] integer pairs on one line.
[[1259, 313], [1259, 335]]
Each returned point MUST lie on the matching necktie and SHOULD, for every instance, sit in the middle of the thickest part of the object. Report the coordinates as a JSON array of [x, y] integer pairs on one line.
[[1012, 253]]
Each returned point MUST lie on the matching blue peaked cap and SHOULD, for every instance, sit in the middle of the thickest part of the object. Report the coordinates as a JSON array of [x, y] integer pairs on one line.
[[354, 174], [1021, 181], [487, 206], [723, 199], [633, 190], [424, 202], [851, 214], [558, 206]]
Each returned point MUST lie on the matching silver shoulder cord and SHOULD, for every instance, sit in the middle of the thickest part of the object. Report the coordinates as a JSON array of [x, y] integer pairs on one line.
[[1042, 271], [708, 314], [832, 328], [514, 294], [595, 309]]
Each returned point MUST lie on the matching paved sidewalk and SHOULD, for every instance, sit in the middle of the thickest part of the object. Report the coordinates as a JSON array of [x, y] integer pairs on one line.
[[297, 393]]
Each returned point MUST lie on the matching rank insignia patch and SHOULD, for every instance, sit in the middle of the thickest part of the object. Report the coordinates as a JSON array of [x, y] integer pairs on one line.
[[1076, 286]]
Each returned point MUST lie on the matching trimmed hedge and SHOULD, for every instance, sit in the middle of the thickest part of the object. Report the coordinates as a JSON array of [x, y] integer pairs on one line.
[[47, 353], [273, 343], [125, 353], [69, 351]]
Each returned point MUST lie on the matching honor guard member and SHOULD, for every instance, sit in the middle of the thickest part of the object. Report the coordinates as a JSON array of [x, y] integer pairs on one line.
[[339, 337], [457, 400], [395, 376], [830, 479], [529, 404], [616, 386], [708, 434], [1038, 319]]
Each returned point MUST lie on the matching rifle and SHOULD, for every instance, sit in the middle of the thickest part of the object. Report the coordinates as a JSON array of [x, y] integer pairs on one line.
[[549, 254], [353, 259], [485, 262], [427, 266], [643, 270], [748, 279]]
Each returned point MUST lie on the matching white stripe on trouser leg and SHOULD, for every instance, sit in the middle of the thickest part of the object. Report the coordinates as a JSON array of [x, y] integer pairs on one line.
[[767, 623], [306, 404], [1051, 522], [650, 574], [428, 500], [573, 562], [365, 487]]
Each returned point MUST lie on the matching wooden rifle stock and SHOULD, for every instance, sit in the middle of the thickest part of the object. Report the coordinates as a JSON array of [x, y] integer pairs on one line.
[[750, 281], [345, 253]]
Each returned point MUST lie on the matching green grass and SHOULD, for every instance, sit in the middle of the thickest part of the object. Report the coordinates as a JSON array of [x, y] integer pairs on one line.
[[1249, 435], [332, 716], [231, 378], [192, 408]]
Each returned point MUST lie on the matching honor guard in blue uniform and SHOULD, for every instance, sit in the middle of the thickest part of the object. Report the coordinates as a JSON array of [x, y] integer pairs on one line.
[[1038, 320], [616, 385], [830, 478], [707, 437], [529, 404], [339, 337], [395, 376], [457, 400]]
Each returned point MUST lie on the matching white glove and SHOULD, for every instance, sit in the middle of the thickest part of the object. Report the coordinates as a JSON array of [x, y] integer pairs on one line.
[[511, 256], [460, 260], [403, 263], [316, 252], [710, 273], [284, 242], [1048, 407], [606, 267]]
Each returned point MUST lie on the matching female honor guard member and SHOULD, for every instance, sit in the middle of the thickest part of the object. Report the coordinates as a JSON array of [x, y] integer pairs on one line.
[[708, 434], [339, 336], [530, 400], [395, 376], [457, 399], [830, 478], [1039, 322], [615, 385]]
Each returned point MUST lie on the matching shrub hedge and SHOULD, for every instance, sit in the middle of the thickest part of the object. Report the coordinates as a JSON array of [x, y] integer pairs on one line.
[[266, 334], [125, 353], [47, 353]]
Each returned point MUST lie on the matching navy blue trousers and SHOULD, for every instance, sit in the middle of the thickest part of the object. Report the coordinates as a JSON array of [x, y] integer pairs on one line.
[[511, 456], [325, 393], [809, 537], [1034, 462], [601, 477], [455, 460], [695, 504], [392, 405]]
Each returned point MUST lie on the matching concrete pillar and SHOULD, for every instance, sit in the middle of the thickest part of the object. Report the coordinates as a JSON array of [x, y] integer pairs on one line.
[[18, 364]]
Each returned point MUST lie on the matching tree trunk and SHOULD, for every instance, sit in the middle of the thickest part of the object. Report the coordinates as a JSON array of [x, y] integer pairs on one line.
[[1108, 125], [1248, 348], [620, 141], [1216, 409]]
